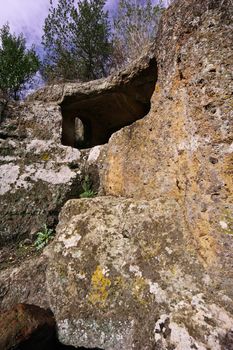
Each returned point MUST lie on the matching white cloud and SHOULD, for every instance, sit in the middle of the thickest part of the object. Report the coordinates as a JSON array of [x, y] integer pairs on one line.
[[25, 16], [28, 16]]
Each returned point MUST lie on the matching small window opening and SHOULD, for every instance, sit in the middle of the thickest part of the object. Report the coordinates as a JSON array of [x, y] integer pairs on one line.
[[78, 133]]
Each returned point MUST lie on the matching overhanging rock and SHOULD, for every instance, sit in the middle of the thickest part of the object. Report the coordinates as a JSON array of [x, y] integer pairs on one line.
[[110, 106], [103, 106]]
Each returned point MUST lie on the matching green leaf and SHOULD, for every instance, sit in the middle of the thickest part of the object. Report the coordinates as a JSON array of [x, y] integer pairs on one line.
[[87, 188], [17, 64], [77, 41], [43, 238]]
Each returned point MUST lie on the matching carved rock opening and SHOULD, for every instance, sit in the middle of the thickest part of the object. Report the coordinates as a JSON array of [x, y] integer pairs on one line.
[[27, 327], [107, 107]]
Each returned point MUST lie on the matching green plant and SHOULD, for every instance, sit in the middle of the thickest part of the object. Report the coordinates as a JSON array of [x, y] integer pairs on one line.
[[17, 63], [76, 40], [43, 237], [87, 188], [135, 24]]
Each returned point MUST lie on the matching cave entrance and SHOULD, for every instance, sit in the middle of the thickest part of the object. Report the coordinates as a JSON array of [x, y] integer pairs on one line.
[[29, 327], [90, 119]]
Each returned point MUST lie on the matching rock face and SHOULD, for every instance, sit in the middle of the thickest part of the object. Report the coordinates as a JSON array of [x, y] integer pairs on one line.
[[37, 173], [182, 150], [25, 283], [111, 105], [148, 264], [180, 156], [39, 170], [124, 274]]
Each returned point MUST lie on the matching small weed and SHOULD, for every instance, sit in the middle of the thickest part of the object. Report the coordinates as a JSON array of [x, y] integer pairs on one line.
[[43, 237], [87, 189]]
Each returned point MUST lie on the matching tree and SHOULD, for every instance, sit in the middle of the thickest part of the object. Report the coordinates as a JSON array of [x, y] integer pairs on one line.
[[135, 25], [17, 64], [76, 40]]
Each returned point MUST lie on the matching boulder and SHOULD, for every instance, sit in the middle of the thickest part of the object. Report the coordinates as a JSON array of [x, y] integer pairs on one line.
[[24, 282], [125, 274]]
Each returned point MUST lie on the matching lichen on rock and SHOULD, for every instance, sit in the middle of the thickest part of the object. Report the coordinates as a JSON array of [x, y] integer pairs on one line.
[[132, 257], [147, 264]]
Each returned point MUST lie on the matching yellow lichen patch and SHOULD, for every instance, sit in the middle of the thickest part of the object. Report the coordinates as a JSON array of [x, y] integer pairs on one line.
[[174, 270], [157, 89], [99, 287], [45, 157], [139, 289], [62, 271]]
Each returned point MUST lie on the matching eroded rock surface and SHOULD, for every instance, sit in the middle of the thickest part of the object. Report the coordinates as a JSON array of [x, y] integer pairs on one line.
[[39, 170], [125, 274], [149, 264], [183, 149], [37, 173], [24, 283]]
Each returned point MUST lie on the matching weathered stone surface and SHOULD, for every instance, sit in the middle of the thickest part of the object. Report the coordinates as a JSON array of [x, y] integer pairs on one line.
[[125, 274], [25, 283], [183, 148], [153, 271], [37, 173]]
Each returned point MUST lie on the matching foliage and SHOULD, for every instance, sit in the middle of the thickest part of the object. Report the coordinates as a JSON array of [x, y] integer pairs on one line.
[[17, 64], [76, 40], [135, 25], [87, 188], [43, 237]]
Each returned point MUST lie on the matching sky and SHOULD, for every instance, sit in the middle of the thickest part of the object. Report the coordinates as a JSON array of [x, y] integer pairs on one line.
[[27, 17]]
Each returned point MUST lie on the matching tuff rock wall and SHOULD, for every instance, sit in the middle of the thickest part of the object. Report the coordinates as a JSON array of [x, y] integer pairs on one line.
[[148, 263], [183, 148], [160, 271]]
